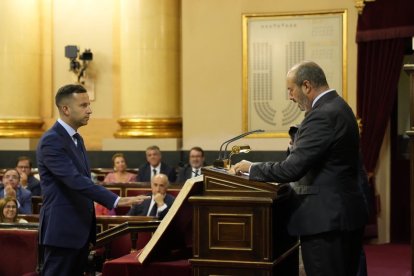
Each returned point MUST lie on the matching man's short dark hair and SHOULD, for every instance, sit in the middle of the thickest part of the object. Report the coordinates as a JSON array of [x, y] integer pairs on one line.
[[66, 91], [312, 72], [197, 149], [24, 158]]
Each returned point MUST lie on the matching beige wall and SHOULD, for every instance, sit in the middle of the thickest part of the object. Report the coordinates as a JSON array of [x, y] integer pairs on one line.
[[89, 24], [212, 66]]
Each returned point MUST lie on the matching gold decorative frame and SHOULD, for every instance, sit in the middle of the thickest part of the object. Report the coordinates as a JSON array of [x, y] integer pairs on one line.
[[272, 44]]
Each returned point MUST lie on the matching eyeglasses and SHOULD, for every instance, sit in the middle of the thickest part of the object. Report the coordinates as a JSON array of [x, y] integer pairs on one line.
[[10, 207], [11, 176]]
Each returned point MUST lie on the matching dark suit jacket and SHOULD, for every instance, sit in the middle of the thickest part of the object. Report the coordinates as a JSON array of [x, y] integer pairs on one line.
[[24, 197], [184, 174], [323, 165], [67, 217], [144, 173], [142, 209]]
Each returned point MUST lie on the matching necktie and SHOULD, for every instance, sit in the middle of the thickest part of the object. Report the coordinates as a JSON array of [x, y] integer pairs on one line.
[[78, 140], [196, 172], [153, 212], [154, 171], [79, 145]]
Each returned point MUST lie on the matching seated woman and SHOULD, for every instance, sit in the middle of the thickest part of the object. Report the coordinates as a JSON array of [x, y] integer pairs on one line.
[[119, 175], [8, 210]]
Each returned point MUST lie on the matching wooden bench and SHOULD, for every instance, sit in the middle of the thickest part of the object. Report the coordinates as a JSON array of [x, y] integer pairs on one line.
[[121, 189], [102, 172], [117, 235], [134, 189]]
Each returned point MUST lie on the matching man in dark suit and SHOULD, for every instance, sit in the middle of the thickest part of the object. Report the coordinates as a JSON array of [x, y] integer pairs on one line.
[[11, 180], [154, 166], [67, 218], [193, 168], [328, 209], [159, 203], [27, 180]]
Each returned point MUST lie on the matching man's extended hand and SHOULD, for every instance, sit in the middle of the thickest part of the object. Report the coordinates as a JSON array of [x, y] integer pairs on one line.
[[241, 167], [132, 200]]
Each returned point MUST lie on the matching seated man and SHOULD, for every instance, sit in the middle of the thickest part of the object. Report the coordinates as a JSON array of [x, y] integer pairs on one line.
[[193, 169], [155, 166], [11, 179], [27, 180], [159, 202]]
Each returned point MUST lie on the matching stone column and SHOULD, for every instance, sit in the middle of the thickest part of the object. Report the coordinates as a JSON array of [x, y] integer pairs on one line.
[[150, 69], [20, 69]]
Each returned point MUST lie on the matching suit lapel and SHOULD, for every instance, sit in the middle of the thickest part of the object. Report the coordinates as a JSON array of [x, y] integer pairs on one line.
[[76, 155], [189, 172]]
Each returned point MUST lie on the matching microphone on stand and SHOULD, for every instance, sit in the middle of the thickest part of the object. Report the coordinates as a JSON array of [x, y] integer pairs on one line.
[[222, 161]]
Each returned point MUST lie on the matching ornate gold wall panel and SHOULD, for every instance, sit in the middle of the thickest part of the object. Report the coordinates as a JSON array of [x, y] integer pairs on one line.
[[150, 128], [21, 128]]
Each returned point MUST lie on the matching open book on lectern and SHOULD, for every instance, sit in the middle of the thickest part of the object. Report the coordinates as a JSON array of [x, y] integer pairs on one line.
[[174, 234]]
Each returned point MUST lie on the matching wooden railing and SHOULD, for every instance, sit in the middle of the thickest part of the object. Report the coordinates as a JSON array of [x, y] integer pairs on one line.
[[121, 189]]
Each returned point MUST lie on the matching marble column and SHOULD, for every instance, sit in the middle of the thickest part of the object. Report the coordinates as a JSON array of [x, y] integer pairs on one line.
[[20, 69], [150, 69]]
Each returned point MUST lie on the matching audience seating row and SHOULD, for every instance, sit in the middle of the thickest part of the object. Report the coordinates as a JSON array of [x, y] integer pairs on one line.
[[120, 236], [134, 189], [100, 173], [121, 189]]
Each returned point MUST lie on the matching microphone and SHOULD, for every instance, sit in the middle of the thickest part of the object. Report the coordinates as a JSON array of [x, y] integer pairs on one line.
[[221, 162]]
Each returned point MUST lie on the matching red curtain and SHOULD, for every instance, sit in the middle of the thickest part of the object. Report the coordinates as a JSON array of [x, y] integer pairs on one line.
[[383, 30], [379, 67]]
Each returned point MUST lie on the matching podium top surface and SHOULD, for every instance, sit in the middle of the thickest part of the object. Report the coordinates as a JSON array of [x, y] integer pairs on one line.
[[220, 182]]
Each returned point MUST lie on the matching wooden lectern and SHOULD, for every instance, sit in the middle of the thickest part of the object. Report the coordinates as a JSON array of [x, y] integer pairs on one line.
[[240, 227]]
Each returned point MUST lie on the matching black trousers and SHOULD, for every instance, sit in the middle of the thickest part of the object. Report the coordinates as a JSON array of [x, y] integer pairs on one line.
[[334, 253], [64, 261]]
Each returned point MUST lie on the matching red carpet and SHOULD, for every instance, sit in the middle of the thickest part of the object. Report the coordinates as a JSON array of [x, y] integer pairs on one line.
[[388, 259]]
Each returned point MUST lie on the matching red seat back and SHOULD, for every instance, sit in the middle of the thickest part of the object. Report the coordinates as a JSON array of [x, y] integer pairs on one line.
[[18, 251]]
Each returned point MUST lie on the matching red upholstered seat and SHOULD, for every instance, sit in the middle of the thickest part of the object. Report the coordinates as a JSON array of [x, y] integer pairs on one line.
[[128, 265], [122, 245], [18, 251]]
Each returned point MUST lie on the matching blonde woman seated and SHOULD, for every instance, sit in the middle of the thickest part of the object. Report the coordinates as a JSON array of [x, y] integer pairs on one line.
[[119, 175], [8, 210]]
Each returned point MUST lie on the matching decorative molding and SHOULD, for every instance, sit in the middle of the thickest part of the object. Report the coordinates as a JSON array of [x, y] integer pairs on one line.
[[360, 4], [150, 128], [21, 128]]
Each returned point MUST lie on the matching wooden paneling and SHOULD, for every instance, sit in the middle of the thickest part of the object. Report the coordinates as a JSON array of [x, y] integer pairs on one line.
[[239, 228]]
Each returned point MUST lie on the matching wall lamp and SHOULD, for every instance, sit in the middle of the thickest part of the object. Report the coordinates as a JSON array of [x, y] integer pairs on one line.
[[77, 67]]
